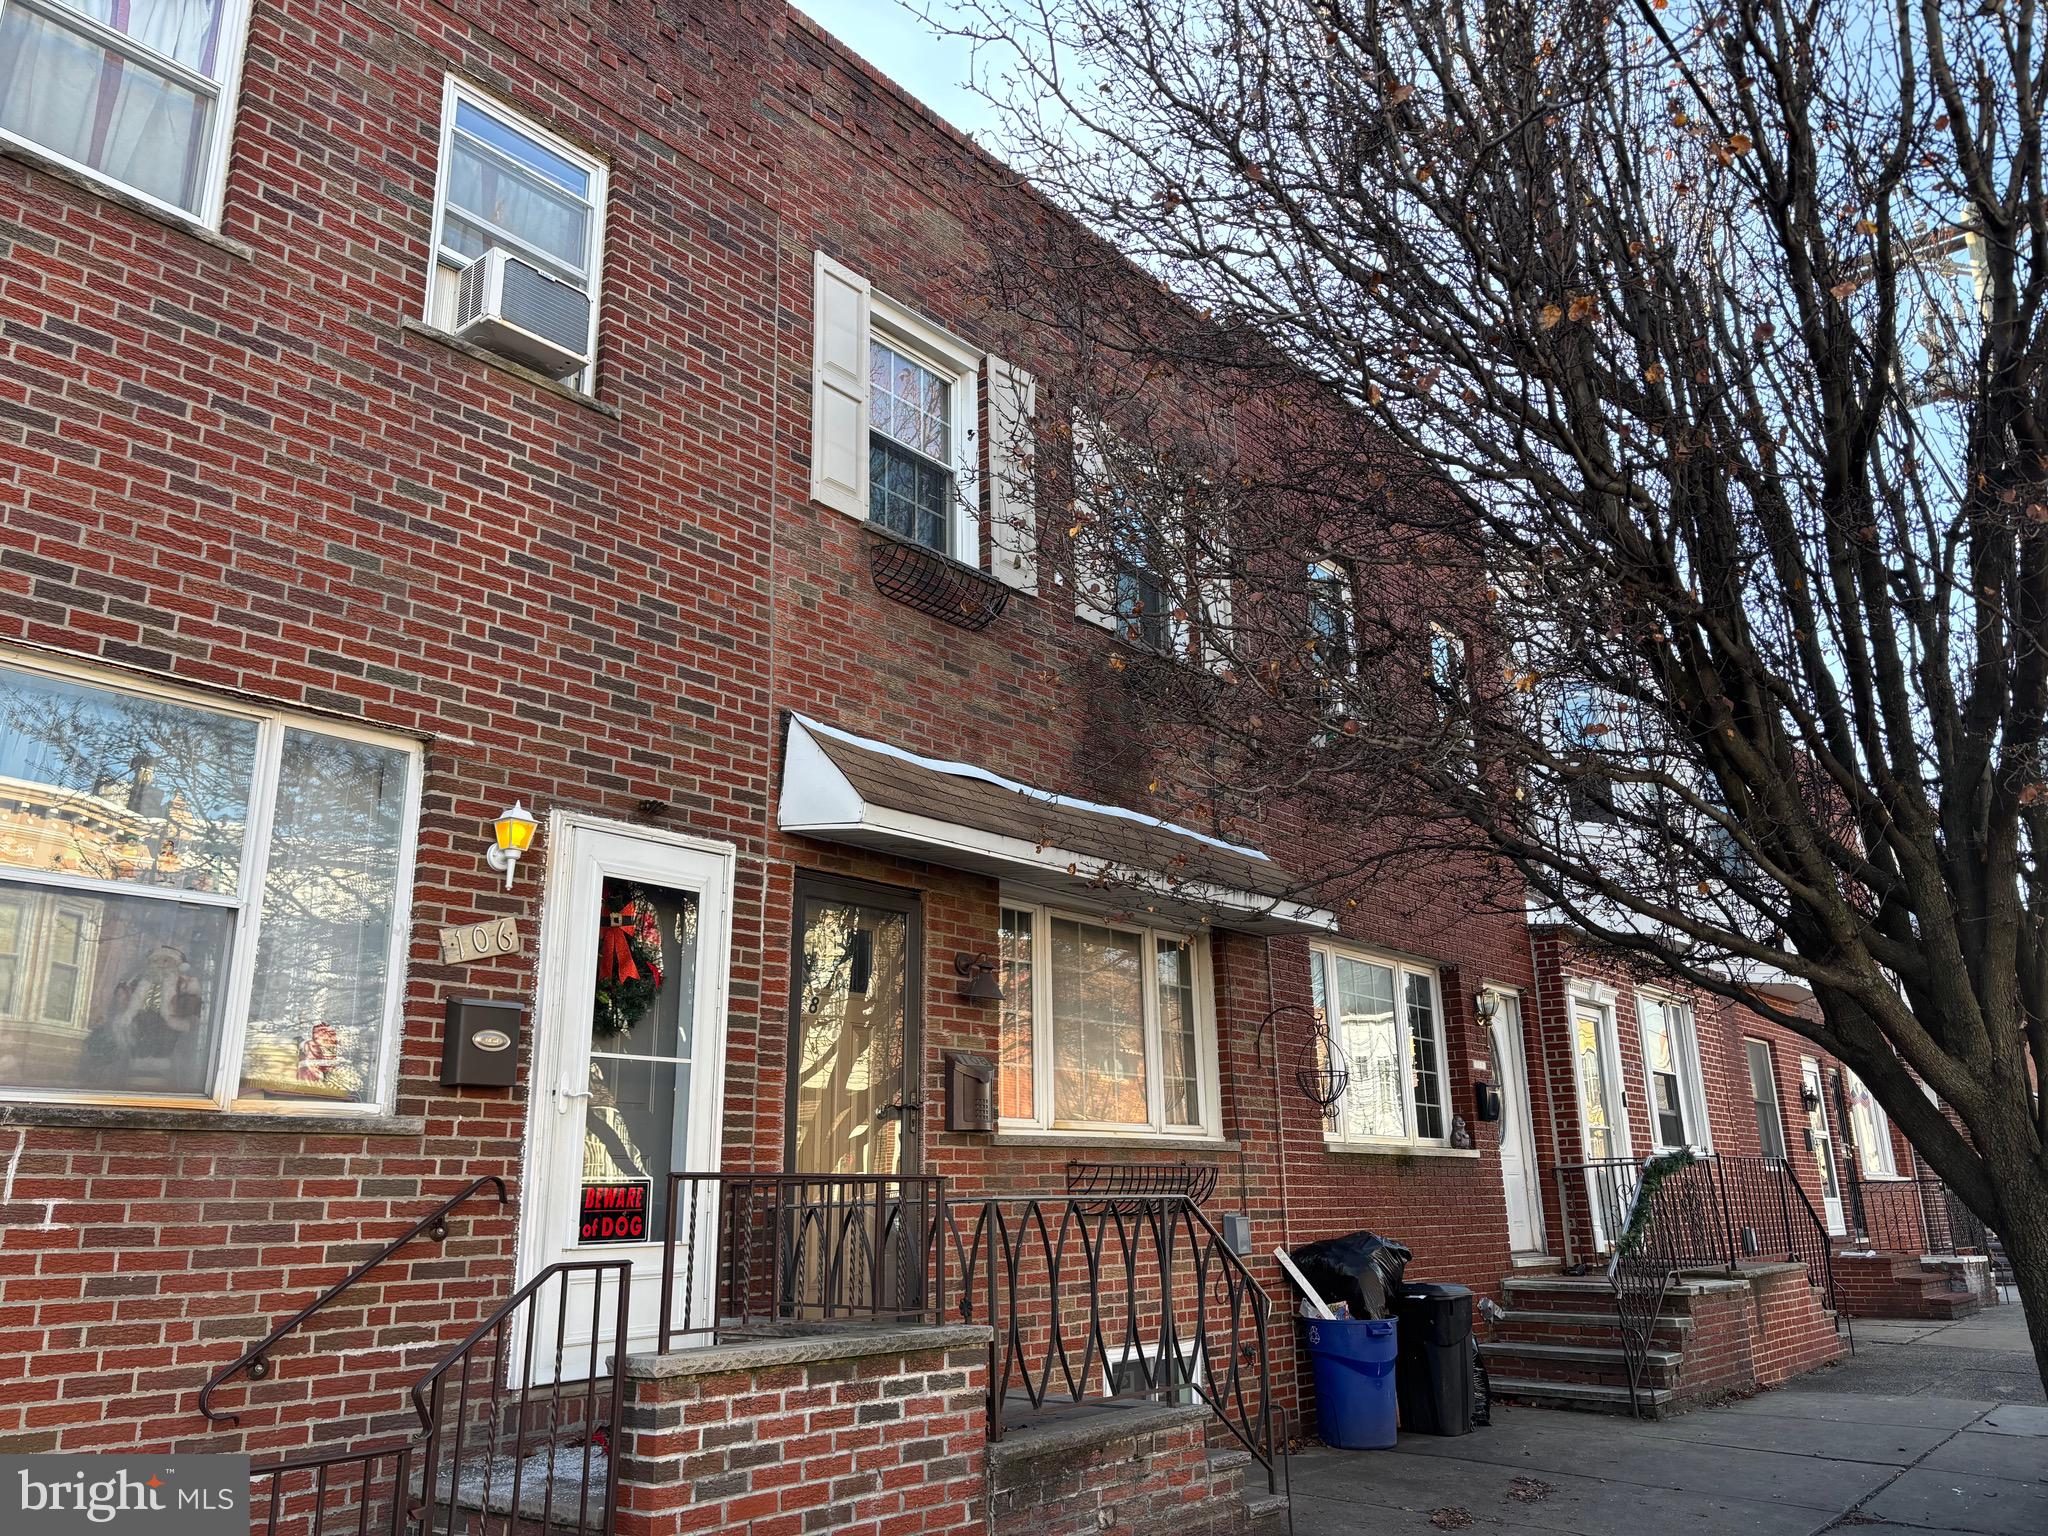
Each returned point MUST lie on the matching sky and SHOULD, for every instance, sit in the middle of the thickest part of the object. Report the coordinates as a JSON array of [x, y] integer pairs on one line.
[[893, 39]]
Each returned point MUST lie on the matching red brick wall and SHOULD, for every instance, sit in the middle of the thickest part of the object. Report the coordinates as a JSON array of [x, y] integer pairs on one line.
[[887, 1442], [231, 463]]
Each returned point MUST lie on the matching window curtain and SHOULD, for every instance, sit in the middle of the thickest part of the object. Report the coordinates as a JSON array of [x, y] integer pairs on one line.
[[521, 205], [68, 94]]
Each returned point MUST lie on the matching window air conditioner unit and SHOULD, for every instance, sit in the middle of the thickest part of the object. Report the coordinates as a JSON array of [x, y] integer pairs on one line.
[[516, 310]]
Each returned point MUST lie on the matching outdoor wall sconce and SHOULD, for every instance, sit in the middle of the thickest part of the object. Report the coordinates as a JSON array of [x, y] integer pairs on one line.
[[1485, 1006], [514, 830], [983, 987], [1809, 1098]]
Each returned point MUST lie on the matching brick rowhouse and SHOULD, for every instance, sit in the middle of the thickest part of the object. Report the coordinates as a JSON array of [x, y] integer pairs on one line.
[[243, 461]]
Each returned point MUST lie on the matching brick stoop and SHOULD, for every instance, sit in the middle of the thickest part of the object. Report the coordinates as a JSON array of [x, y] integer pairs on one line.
[[1938, 1287], [1560, 1344]]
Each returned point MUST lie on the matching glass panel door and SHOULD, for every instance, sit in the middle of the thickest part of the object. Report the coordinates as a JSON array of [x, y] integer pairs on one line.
[[854, 1108]]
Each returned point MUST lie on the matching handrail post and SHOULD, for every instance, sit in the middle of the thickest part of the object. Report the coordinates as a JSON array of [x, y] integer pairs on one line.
[[668, 1266]]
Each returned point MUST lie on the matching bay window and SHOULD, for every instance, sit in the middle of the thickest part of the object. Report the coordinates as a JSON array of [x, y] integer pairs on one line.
[[1106, 1026], [1387, 1019], [200, 903], [136, 93]]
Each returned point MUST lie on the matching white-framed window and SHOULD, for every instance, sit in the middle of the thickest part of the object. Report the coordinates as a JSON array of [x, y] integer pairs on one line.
[[136, 93], [1153, 564], [1332, 623], [1386, 1016], [1107, 1025], [1449, 670], [1871, 1129], [507, 183], [1763, 1099], [202, 903], [1671, 1066], [895, 415]]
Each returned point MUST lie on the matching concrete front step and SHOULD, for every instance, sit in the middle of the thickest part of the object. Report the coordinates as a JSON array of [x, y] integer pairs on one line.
[[1538, 1327], [1581, 1364], [1596, 1397]]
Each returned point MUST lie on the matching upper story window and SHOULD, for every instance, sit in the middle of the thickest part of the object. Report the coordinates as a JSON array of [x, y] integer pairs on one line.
[[1678, 1114], [1107, 1026], [895, 407], [1386, 1016], [1332, 621], [507, 184], [200, 904], [136, 93], [910, 444]]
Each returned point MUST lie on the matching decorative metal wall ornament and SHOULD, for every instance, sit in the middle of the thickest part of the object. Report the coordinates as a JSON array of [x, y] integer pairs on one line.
[[1323, 1071], [934, 583]]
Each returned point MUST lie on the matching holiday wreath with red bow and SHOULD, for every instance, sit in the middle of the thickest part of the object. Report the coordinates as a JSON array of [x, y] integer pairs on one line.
[[628, 959]]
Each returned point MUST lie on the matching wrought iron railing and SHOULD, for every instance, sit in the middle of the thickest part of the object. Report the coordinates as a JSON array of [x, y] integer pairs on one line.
[[515, 1429], [1089, 1294], [1915, 1214], [749, 1253], [1594, 1199], [1713, 1212], [256, 1359], [1093, 1299]]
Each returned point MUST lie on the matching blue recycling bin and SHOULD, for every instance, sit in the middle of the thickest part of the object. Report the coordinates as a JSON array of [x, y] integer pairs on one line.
[[1353, 1359]]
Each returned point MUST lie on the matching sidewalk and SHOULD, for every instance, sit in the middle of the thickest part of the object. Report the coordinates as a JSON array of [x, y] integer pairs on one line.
[[1875, 1445]]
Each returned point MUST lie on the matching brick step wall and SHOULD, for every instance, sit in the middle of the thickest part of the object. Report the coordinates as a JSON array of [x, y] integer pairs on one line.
[[1560, 1342], [1932, 1286]]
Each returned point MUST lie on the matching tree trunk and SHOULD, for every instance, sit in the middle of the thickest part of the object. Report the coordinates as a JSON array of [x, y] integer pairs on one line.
[[2023, 1193]]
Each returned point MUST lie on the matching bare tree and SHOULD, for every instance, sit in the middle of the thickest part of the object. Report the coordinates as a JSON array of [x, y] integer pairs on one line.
[[1679, 538]]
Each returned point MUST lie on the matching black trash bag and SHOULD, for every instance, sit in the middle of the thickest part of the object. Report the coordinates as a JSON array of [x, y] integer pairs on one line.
[[1363, 1271], [1482, 1391]]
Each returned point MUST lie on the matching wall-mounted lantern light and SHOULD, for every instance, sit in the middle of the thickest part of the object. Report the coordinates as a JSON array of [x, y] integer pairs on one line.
[[514, 830], [983, 987], [1809, 1097], [1484, 1007]]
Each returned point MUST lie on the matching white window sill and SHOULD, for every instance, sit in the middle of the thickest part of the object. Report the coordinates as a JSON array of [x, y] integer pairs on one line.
[[1157, 1140], [113, 192], [1398, 1149]]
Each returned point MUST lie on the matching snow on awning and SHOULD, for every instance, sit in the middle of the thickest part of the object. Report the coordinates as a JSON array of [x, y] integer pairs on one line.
[[843, 788]]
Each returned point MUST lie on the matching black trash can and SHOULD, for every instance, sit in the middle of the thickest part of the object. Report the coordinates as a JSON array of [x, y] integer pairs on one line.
[[1433, 1373]]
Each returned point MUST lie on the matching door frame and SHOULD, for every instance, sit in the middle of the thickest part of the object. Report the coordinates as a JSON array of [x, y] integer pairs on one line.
[[1525, 1127], [556, 997], [908, 900], [1826, 1156], [1603, 999]]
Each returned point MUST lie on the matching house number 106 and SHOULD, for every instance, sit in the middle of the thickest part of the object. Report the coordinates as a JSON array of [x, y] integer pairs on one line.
[[479, 941]]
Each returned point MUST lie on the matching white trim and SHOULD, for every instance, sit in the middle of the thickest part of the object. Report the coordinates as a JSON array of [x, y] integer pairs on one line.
[[1524, 1129], [1601, 999], [225, 92], [1045, 1120], [563, 1004], [944, 353], [454, 91], [971, 771], [1321, 951], [1012, 476], [1685, 1053], [272, 725]]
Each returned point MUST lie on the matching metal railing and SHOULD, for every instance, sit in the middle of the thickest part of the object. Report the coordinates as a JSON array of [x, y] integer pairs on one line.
[[1715, 1212], [1141, 1181], [1093, 1299], [1090, 1294], [1915, 1214], [256, 1359], [515, 1429], [748, 1253]]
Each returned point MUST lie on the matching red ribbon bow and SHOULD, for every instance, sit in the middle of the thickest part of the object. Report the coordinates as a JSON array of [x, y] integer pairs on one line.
[[614, 951]]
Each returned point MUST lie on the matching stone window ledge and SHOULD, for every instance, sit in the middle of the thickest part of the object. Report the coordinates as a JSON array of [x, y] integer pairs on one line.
[[125, 1117]]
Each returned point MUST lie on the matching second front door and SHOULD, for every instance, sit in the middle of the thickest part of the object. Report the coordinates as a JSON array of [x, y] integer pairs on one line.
[[856, 977]]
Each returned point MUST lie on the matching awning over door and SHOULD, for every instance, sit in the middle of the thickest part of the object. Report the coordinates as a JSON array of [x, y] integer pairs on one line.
[[844, 788]]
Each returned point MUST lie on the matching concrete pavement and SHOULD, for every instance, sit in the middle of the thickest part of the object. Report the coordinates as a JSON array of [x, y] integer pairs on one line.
[[1871, 1445]]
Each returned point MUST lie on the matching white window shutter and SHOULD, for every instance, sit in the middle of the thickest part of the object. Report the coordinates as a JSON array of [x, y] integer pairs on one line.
[[1012, 491], [839, 388], [1094, 577], [1215, 590]]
